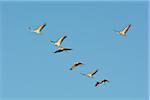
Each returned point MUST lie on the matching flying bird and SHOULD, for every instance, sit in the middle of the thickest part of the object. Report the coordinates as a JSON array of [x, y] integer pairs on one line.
[[38, 30], [61, 49], [58, 43], [101, 82], [75, 65], [90, 74], [124, 31]]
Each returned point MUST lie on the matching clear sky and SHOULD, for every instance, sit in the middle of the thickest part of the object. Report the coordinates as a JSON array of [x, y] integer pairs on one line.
[[30, 71]]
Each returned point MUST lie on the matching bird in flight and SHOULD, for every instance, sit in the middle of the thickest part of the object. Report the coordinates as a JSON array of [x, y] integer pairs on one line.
[[58, 43], [75, 65], [61, 49], [124, 31], [38, 30], [90, 74], [101, 82]]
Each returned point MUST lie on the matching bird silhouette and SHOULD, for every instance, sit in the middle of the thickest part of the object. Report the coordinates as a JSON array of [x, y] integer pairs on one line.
[[90, 74], [101, 82], [38, 30], [75, 65], [61, 49], [124, 31], [59, 42]]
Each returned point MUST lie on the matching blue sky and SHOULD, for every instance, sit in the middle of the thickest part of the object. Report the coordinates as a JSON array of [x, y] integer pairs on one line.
[[30, 71]]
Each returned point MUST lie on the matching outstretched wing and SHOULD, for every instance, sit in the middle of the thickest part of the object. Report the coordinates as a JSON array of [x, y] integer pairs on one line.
[[58, 51], [66, 49], [41, 27], [125, 30], [61, 40], [94, 72], [75, 65]]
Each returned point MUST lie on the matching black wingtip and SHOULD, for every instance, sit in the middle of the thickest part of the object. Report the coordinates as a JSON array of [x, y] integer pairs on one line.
[[65, 36]]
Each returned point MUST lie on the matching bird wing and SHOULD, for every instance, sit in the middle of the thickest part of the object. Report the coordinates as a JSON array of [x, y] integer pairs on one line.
[[66, 49], [58, 51], [75, 65], [78, 64], [125, 30], [94, 72], [41, 27], [101, 82], [61, 39], [105, 80]]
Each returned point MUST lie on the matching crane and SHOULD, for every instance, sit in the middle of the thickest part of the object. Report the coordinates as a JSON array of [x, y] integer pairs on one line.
[[124, 31], [61, 49], [58, 43], [101, 82], [38, 30], [75, 65], [91, 74]]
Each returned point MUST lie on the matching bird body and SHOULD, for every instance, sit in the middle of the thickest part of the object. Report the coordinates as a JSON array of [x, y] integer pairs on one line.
[[58, 43], [75, 65], [90, 75], [61, 49], [124, 31], [101, 82], [39, 29]]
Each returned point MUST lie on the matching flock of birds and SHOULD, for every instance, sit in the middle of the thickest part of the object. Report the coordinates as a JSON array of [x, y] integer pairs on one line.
[[77, 64]]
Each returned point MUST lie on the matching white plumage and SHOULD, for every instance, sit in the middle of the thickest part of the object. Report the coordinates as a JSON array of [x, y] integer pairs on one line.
[[59, 42], [90, 74], [38, 30], [124, 31]]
